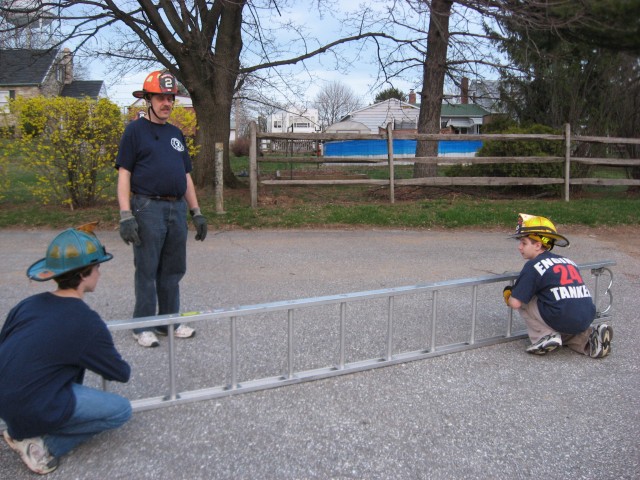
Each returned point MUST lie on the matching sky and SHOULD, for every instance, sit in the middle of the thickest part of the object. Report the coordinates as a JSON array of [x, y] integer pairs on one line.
[[360, 77], [359, 80]]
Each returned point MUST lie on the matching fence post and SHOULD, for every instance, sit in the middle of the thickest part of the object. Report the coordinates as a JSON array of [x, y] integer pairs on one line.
[[253, 164], [567, 160], [219, 178], [392, 196]]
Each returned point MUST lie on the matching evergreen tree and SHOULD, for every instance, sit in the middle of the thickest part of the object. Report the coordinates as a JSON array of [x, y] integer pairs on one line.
[[391, 92]]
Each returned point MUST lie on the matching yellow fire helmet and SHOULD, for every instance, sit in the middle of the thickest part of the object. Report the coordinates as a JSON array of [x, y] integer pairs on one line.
[[72, 249], [539, 229]]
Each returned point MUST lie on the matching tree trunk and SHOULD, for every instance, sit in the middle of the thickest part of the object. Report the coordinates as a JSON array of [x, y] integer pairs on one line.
[[213, 126], [432, 84], [213, 74]]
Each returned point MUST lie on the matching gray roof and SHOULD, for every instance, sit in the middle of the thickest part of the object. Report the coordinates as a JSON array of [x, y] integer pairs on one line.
[[82, 88], [24, 67], [463, 110]]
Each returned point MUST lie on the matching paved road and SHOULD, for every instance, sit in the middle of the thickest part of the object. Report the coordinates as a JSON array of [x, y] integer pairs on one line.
[[493, 412]]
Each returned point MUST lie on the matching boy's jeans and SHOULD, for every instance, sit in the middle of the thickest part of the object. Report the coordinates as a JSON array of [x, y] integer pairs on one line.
[[95, 412]]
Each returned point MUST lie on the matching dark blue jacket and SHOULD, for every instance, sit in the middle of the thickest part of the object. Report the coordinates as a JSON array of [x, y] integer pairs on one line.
[[46, 344]]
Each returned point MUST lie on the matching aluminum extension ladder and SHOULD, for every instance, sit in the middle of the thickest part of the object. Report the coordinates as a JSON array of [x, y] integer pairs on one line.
[[234, 385]]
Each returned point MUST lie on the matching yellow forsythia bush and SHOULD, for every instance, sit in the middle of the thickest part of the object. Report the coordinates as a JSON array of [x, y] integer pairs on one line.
[[71, 144]]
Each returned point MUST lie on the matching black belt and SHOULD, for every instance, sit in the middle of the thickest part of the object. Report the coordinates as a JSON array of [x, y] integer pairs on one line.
[[164, 198]]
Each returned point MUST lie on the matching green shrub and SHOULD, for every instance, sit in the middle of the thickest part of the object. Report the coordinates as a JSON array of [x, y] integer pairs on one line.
[[70, 144], [520, 148]]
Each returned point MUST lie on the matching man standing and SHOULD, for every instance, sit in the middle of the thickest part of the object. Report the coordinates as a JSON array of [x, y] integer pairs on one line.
[[47, 342], [154, 190]]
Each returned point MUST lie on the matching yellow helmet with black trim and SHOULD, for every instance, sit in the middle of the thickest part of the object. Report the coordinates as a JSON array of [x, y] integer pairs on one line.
[[540, 229]]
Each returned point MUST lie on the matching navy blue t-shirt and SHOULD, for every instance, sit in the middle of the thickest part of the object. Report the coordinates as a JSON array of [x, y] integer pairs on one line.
[[564, 300], [46, 344], [157, 157]]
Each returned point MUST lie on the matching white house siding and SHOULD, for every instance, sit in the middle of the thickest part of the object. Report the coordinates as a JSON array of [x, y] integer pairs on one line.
[[294, 120], [404, 116], [380, 114], [348, 126]]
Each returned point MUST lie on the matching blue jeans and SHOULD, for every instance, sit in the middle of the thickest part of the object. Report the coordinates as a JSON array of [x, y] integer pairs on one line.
[[95, 412], [161, 258]]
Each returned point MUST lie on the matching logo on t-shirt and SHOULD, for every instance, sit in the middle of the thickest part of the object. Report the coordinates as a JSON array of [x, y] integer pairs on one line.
[[177, 144]]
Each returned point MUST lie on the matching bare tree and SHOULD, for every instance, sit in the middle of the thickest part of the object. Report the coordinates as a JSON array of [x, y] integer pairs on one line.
[[433, 73], [33, 26], [446, 40], [334, 101], [212, 48]]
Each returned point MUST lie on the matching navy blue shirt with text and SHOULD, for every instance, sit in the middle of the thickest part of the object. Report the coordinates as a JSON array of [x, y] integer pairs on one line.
[[564, 300]]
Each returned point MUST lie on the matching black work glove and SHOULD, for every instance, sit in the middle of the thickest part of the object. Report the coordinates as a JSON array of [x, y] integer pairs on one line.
[[200, 222], [506, 293], [129, 228]]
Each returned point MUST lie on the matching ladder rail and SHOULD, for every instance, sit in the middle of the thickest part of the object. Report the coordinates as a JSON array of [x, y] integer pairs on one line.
[[235, 386], [234, 314]]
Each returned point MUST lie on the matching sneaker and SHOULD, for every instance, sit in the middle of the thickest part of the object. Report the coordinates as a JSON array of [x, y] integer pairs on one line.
[[183, 331], [33, 453], [600, 341], [545, 344], [146, 339]]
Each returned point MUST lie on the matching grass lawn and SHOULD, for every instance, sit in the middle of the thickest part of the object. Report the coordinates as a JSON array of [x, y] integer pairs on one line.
[[346, 206]]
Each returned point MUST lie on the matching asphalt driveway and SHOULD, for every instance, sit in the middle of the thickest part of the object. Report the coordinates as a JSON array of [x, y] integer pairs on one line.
[[493, 412]]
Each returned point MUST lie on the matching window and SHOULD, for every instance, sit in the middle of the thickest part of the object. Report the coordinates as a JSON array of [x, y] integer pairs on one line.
[[277, 124], [302, 125], [5, 96]]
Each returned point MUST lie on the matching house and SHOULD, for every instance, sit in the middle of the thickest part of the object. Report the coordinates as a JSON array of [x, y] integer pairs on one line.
[[374, 118], [461, 118], [84, 88], [29, 73], [295, 120], [486, 93]]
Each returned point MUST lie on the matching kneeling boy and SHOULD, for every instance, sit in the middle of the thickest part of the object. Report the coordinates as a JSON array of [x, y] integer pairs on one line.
[[552, 298]]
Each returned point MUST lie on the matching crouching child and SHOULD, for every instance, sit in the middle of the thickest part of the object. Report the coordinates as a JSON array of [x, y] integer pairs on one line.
[[550, 295], [47, 343]]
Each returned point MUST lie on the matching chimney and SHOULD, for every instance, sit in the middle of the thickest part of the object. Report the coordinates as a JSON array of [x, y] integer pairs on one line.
[[67, 63], [412, 97], [464, 91]]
